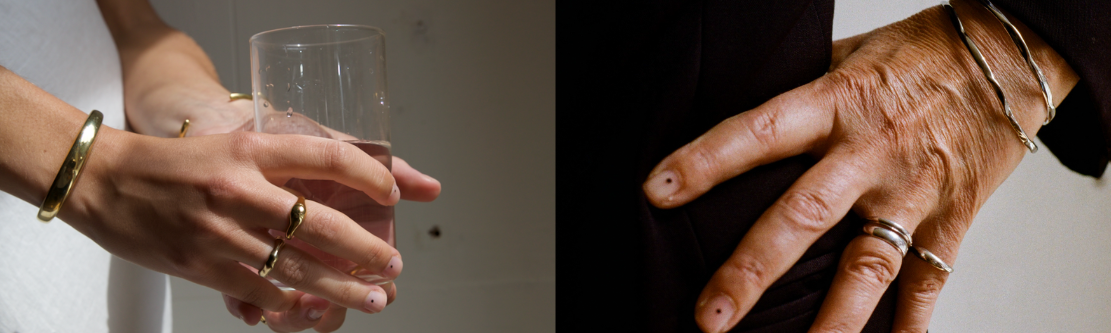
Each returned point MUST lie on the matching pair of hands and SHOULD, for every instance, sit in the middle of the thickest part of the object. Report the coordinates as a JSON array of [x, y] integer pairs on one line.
[[906, 128], [198, 207]]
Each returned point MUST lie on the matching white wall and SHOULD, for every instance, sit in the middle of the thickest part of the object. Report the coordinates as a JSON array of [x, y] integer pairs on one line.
[[472, 91], [1035, 257]]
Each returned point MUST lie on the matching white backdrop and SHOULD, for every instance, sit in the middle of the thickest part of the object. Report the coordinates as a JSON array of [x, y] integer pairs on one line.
[[472, 92], [1033, 260]]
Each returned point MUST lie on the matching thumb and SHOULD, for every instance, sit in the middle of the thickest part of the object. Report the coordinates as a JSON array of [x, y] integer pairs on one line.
[[844, 47]]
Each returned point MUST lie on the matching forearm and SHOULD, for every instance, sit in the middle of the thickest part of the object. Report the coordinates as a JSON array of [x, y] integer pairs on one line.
[[37, 131], [165, 72]]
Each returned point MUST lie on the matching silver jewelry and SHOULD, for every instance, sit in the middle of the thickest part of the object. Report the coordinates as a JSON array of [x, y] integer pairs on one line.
[[932, 259], [888, 235], [1050, 110], [990, 77]]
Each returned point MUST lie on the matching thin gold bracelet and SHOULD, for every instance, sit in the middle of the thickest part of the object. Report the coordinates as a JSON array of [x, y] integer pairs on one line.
[[983, 63], [71, 168]]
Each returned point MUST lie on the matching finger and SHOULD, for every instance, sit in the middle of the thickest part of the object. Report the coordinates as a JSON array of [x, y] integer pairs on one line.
[[327, 229], [920, 283], [332, 320], [249, 314], [282, 157], [413, 184], [785, 126], [867, 268], [842, 48], [816, 202], [306, 314], [391, 292], [302, 271], [232, 279]]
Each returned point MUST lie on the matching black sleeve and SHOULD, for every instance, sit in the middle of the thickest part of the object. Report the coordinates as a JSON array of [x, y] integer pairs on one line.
[[1080, 135]]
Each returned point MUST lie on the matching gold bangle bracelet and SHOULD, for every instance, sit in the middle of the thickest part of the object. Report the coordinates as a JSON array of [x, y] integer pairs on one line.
[[71, 168]]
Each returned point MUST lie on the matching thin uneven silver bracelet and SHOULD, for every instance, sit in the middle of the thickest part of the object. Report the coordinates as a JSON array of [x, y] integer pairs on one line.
[[1050, 110], [991, 78]]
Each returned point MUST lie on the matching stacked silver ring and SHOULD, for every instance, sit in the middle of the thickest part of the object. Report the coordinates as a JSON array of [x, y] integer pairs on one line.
[[899, 237]]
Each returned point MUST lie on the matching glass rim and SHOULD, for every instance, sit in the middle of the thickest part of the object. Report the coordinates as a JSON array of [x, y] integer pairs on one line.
[[377, 32]]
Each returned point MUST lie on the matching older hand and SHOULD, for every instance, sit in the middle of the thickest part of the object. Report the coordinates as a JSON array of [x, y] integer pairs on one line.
[[906, 128]]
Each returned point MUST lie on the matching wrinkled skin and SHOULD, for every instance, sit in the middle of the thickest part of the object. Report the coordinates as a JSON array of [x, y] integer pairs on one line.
[[906, 128]]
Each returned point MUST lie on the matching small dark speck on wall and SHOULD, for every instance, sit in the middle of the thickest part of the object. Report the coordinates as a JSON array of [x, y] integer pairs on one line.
[[434, 232]]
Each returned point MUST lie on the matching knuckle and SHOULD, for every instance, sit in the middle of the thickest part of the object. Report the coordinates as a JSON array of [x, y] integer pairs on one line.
[[925, 292], [764, 128], [749, 272], [254, 295], [294, 269], [326, 228], [871, 268], [698, 161], [242, 145], [807, 211], [336, 156]]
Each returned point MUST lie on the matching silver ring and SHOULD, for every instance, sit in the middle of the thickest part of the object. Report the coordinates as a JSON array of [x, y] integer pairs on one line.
[[932, 259], [888, 235], [898, 228]]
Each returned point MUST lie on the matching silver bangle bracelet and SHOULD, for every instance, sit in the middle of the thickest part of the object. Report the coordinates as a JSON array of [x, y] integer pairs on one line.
[[1050, 110], [990, 77]]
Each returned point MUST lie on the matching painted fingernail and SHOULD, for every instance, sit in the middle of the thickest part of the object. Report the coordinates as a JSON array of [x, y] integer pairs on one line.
[[375, 301], [314, 314], [716, 313], [393, 269], [395, 196], [662, 186]]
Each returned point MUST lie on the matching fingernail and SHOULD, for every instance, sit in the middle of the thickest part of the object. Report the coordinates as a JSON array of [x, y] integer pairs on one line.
[[662, 186], [375, 301], [429, 178], [716, 313], [395, 196], [314, 314], [393, 269]]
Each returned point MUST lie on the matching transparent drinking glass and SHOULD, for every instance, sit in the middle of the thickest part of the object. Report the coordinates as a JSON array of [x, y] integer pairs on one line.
[[328, 81]]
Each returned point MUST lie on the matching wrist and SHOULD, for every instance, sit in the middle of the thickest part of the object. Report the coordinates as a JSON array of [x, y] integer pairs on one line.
[[1018, 82]]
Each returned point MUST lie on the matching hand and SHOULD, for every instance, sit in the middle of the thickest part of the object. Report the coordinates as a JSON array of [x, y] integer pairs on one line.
[[198, 207], [319, 314], [905, 128]]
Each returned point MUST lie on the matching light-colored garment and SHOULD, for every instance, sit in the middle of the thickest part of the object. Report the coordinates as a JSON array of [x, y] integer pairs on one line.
[[53, 278]]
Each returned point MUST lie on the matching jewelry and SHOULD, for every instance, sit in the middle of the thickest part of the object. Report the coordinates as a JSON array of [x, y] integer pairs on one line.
[[270, 262], [990, 77], [932, 259], [184, 129], [296, 216], [1050, 110], [235, 96], [71, 168], [888, 235]]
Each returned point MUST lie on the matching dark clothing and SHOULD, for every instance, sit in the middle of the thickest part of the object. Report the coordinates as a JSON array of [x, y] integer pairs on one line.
[[637, 80]]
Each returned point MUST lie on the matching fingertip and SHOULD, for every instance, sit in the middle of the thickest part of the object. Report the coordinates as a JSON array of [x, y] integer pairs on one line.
[[662, 187], [715, 314], [251, 314]]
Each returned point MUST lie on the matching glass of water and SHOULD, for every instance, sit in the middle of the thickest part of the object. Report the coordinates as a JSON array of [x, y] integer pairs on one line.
[[328, 81]]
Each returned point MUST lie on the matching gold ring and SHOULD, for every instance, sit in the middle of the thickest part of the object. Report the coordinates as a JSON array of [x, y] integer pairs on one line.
[[296, 216], [270, 262], [235, 96], [184, 129]]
